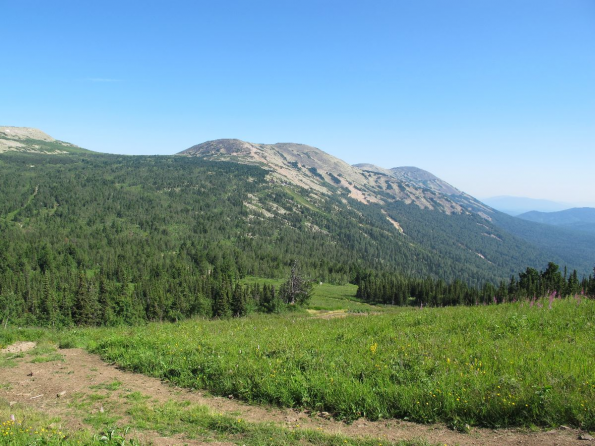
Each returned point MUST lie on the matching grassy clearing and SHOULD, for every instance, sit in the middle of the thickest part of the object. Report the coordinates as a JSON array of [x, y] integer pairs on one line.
[[339, 297], [505, 365], [326, 297]]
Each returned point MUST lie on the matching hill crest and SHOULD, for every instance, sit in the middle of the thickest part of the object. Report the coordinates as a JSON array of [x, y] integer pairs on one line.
[[314, 169], [31, 140]]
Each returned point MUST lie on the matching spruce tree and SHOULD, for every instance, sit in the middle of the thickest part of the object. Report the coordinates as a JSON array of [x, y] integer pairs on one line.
[[238, 302]]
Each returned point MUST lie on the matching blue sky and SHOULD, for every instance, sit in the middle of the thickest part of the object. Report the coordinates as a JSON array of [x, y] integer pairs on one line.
[[496, 97]]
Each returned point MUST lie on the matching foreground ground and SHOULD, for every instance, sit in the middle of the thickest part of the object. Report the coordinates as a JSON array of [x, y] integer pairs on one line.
[[77, 390], [525, 369]]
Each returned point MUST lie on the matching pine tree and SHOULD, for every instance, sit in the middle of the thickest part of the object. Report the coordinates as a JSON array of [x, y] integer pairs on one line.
[[85, 303], [222, 301], [49, 305], [238, 302], [296, 290], [11, 307]]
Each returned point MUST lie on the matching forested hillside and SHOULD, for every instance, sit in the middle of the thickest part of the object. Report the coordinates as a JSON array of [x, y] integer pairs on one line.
[[153, 238]]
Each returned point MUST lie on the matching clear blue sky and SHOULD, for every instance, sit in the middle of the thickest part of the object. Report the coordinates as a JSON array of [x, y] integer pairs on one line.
[[497, 97]]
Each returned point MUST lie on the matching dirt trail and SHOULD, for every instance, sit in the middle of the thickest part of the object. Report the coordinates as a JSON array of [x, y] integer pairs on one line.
[[52, 387]]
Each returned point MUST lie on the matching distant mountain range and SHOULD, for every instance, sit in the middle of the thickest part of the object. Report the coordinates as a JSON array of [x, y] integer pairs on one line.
[[580, 219], [520, 205], [402, 219]]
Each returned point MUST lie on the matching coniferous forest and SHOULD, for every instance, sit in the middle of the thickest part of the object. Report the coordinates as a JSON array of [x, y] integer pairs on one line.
[[110, 240]]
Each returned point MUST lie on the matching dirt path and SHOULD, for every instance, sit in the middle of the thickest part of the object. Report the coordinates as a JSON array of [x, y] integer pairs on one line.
[[55, 388]]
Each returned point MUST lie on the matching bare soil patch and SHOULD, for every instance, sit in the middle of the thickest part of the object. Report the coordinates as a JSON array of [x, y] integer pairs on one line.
[[19, 347], [55, 387]]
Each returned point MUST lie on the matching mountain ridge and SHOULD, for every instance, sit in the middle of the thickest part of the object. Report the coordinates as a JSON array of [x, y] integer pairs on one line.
[[393, 190], [515, 206], [315, 193], [310, 167], [32, 140]]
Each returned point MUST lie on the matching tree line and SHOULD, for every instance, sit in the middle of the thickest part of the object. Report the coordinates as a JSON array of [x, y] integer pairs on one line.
[[100, 300], [399, 290]]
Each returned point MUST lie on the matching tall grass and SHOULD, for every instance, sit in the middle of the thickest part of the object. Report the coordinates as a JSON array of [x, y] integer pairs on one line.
[[502, 365]]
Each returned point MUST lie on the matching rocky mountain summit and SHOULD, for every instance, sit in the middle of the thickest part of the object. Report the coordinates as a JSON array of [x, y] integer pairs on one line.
[[30, 140], [425, 180], [314, 169]]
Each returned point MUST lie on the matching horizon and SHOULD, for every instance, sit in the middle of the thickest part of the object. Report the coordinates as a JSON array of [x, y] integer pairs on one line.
[[495, 99]]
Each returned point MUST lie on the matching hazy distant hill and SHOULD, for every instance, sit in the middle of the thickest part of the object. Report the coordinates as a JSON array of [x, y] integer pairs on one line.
[[29, 140], [520, 205], [581, 219]]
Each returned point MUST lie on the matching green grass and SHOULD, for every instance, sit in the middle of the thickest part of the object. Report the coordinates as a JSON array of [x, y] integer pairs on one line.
[[192, 421], [326, 296], [8, 359], [48, 358], [20, 425], [339, 297], [505, 365], [45, 351]]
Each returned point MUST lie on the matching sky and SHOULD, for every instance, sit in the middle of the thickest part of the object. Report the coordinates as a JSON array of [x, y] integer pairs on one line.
[[496, 97]]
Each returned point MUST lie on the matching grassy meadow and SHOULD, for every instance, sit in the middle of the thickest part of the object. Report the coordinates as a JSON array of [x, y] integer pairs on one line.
[[519, 364]]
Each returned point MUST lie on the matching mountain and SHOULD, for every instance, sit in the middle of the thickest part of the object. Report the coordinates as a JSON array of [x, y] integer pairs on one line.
[[29, 140], [580, 219], [311, 168], [430, 213], [148, 219], [424, 180], [519, 205], [414, 175], [235, 207]]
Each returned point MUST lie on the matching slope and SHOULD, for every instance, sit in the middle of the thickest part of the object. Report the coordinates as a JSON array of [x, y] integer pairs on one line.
[[452, 233], [561, 244], [29, 140], [311, 168]]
